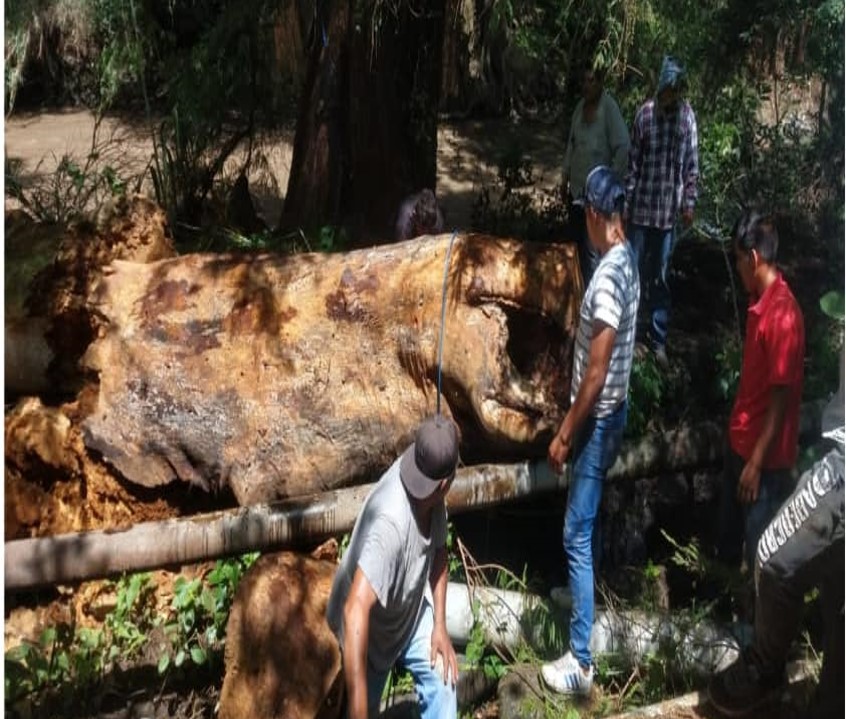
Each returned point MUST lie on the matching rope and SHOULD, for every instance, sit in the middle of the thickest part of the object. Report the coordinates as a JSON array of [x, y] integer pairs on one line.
[[443, 317]]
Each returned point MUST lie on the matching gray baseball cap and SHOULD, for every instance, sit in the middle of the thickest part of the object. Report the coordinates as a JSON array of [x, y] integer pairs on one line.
[[431, 458]]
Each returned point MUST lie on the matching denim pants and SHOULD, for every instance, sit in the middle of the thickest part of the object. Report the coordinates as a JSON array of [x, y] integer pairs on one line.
[[653, 248], [436, 698], [740, 525], [596, 448]]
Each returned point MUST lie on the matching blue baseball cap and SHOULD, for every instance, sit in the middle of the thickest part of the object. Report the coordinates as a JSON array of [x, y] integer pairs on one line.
[[604, 192], [671, 75]]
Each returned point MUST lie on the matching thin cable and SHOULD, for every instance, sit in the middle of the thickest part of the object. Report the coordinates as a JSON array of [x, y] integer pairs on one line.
[[443, 318]]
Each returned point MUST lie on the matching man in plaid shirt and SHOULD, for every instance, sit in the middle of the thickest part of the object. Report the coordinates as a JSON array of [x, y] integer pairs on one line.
[[660, 186]]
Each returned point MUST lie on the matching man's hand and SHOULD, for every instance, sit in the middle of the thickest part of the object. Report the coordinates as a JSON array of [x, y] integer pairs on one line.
[[442, 647], [559, 450], [750, 482], [687, 217]]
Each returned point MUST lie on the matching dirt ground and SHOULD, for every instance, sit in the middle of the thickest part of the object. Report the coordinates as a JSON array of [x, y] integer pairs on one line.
[[467, 155]]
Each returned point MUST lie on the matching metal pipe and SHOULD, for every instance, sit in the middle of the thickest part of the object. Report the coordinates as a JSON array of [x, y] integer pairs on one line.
[[68, 558]]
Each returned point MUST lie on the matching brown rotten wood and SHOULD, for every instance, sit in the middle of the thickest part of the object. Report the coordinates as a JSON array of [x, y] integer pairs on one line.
[[284, 376], [282, 660], [50, 271]]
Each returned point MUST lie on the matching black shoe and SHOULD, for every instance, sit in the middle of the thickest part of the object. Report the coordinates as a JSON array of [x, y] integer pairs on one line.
[[741, 689]]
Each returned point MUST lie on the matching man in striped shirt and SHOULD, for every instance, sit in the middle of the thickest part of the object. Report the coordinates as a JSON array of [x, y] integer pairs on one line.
[[660, 186], [592, 430]]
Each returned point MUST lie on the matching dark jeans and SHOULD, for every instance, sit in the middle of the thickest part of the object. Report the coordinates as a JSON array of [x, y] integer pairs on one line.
[[654, 248], [588, 256], [800, 549], [739, 525]]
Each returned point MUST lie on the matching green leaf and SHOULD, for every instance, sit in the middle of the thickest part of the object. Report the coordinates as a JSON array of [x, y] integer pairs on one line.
[[832, 305], [18, 653], [198, 655], [179, 659], [164, 663]]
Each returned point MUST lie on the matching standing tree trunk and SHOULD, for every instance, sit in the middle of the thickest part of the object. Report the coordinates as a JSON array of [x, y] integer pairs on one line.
[[367, 131], [315, 181]]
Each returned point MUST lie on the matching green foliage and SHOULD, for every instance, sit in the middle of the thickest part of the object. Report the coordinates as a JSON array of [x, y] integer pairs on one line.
[[688, 556], [823, 347], [512, 207], [832, 305], [178, 159], [69, 662], [75, 187], [68, 665], [728, 357], [332, 239], [455, 567], [133, 617], [17, 48], [477, 653], [200, 609], [121, 60], [648, 387]]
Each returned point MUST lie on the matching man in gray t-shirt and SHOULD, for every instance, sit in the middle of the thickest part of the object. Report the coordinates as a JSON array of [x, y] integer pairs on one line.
[[388, 600]]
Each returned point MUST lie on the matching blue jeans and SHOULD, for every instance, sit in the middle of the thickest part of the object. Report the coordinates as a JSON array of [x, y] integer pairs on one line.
[[653, 248], [743, 524], [436, 698], [596, 448]]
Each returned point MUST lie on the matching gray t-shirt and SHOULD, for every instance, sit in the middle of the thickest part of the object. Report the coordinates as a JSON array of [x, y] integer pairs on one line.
[[396, 559]]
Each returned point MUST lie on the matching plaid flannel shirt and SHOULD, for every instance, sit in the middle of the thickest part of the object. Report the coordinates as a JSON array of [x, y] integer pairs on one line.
[[663, 165]]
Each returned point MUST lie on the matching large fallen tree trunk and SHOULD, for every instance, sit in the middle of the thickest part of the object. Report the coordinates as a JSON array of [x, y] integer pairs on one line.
[[285, 376], [72, 557], [50, 271]]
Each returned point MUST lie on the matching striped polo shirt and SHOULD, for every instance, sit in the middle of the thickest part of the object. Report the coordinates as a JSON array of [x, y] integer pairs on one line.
[[611, 297]]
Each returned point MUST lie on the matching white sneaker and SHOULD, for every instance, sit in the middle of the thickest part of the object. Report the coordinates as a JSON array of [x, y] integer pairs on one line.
[[565, 676]]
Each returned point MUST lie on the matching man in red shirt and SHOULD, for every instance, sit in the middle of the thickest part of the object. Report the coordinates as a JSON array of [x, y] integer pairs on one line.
[[764, 425]]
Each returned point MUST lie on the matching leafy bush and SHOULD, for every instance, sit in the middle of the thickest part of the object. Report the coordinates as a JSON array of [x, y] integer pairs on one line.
[[76, 186], [509, 209], [67, 666], [199, 612], [648, 387]]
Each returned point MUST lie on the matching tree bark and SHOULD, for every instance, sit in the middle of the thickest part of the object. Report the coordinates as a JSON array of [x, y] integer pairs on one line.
[[48, 325], [315, 182], [367, 131], [285, 376], [282, 660]]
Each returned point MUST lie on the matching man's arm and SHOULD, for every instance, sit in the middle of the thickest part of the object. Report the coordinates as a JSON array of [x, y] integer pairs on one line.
[[441, 643], [357, 608], [601, 345], [750, 478]]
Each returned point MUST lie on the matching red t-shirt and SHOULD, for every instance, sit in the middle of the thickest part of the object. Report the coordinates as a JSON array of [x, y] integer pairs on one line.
[[773, 355]]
